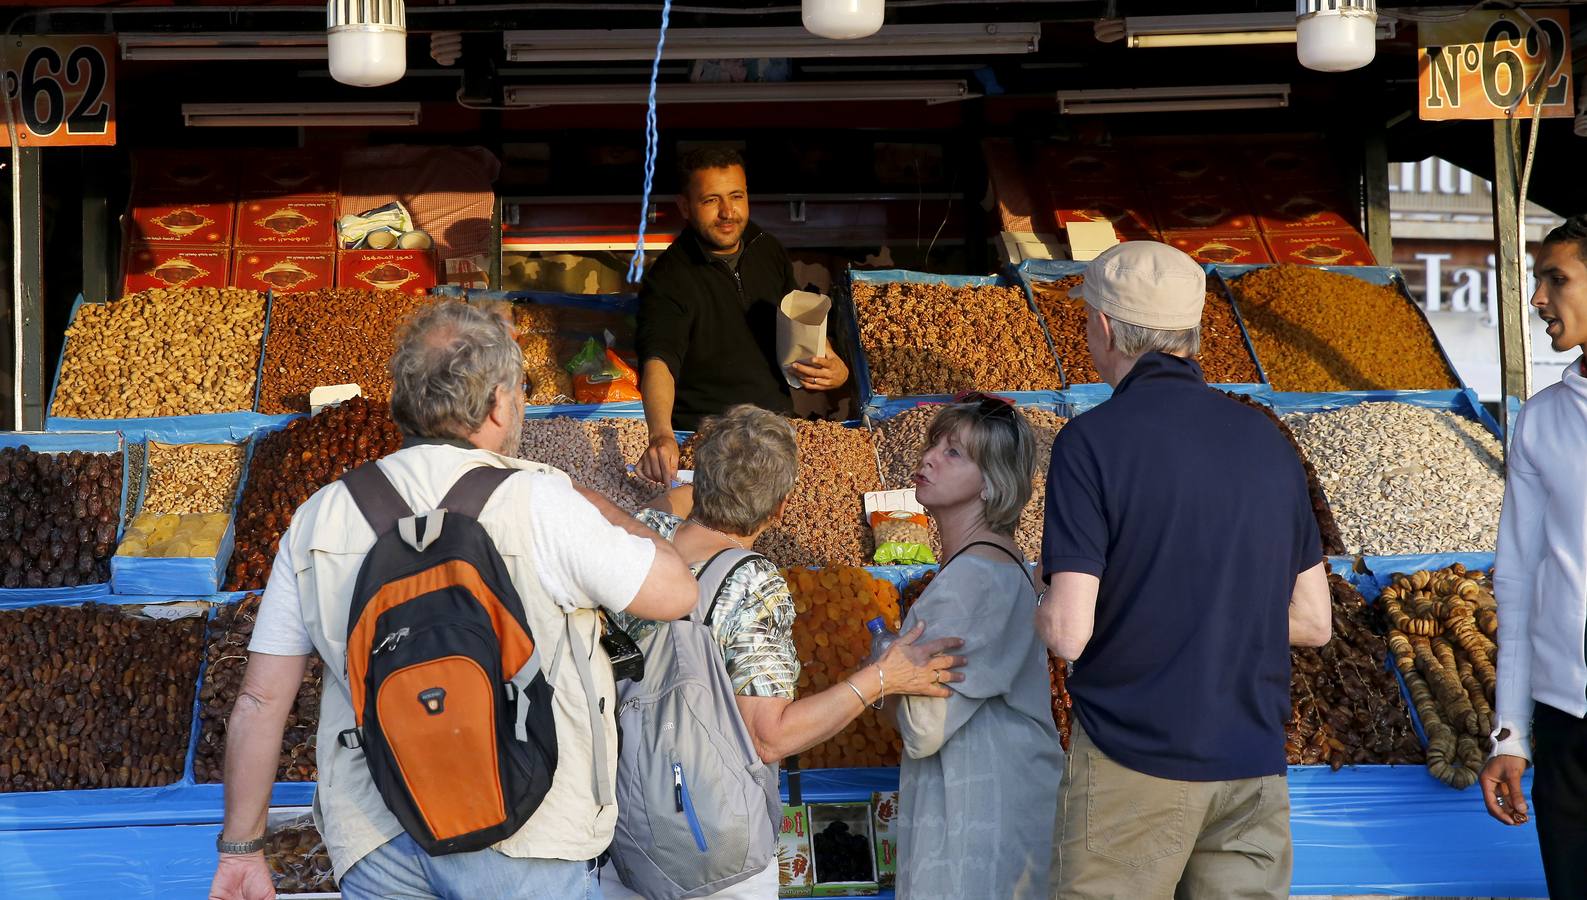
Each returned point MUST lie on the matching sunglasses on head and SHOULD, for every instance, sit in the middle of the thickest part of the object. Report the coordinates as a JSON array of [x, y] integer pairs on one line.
[[988, 406]]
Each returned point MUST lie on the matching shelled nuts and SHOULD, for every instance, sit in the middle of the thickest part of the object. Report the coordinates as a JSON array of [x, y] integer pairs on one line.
[[169, 352], [192, 478], [1066, 322], [298, 859], [59, 514], [595, 453], [536, 328], [328, 337], [91, 697], [1333, 543], [290, 465], [226, 655], [936, 339], [824, 521]]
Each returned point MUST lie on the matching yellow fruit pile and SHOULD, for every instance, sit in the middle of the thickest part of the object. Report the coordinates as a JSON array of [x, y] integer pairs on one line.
[[173, 535], [833, 605]]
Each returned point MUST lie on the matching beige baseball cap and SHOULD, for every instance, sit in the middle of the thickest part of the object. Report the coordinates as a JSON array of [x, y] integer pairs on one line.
[[1146, 283]]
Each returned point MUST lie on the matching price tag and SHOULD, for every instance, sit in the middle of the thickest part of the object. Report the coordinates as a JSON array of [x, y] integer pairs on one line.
[[1480, 66], [62, 90]]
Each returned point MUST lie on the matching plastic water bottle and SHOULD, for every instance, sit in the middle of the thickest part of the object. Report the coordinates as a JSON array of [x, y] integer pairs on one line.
[[882, 637]]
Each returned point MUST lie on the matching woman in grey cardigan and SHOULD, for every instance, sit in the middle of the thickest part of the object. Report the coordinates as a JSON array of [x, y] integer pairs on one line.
[[979, 782]]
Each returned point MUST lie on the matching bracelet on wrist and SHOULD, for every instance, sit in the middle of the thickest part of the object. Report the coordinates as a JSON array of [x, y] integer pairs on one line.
[[239, 848], [882, 679]]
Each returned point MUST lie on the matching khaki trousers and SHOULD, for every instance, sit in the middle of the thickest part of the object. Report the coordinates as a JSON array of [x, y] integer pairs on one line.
[[1122, 834]]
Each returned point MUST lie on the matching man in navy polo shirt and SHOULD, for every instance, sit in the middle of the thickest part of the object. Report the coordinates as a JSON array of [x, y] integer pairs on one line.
[[1182, 560]]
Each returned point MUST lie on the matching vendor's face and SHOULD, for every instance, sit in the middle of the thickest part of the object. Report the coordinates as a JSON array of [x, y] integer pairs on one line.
[[947, 476], [1561, 296], [715, 203]]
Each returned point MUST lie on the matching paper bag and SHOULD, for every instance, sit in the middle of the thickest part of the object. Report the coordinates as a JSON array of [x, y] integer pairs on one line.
[[801, 330]]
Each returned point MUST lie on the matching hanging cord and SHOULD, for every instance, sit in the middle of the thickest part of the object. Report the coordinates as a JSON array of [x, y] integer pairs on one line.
[[636, 266], [1537, 91]]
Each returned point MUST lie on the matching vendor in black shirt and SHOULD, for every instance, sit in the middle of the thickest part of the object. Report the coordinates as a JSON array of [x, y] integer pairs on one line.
[[708, 314]]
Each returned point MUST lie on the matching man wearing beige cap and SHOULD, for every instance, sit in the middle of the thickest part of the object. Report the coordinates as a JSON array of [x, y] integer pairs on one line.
[[1182, 560]]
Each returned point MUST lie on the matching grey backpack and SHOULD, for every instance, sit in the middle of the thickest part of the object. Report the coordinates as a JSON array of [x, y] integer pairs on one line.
[[697, 810]]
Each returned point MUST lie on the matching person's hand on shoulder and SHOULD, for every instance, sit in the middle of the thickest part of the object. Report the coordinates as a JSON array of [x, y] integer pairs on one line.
[[821, 373], [660, 462]]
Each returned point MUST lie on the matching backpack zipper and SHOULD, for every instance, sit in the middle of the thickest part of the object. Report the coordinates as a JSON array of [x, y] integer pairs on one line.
[[390, 641], [680, 791]]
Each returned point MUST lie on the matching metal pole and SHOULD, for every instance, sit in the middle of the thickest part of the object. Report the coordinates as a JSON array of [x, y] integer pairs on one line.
[[29, 304], [1515, 337], [1375, 163]]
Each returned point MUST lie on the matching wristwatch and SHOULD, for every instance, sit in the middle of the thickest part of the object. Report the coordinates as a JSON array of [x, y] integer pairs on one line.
[[239, 848]]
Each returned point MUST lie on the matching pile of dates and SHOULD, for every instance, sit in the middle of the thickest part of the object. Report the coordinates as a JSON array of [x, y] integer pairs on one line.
[[59, 513]]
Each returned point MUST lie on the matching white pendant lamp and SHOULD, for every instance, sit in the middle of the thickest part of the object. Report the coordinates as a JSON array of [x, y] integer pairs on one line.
[[1336, 35], [842, 20], [367, 41]]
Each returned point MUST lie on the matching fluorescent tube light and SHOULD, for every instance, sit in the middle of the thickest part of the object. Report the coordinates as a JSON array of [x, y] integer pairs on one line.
[[1220, 30], [299, 115], [993, 38], [741, 92], [222, 47], [1174, 99]]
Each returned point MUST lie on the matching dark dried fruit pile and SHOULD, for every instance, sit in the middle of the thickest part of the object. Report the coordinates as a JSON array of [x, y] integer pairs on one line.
[[1333, 542], [289, 466], [226, 651], [298, 860], [91, 697], [1062, 706], [322, 338], [58, 517], [1347, 708]]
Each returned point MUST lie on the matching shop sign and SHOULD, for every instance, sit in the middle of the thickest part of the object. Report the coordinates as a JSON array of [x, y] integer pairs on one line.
[[1479, 66], [64, 92]]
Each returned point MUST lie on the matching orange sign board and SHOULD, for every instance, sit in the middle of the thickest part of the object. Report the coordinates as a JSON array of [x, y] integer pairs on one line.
[[62, 90], [1488, 65]]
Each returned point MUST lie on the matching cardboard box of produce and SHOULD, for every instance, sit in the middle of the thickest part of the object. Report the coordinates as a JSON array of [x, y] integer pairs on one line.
[[188, 224], [884, 819], [1302, 210], [279, 224], [148, 267], [1133, 221], [1220, 249], [795, 854], [1218, 211], [290, 175], [283, 270], [1321, 248], [386, 270], [184, 174], [845, 850]]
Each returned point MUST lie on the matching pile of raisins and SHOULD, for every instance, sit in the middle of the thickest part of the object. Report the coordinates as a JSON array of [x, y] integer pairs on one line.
[[59, 513]]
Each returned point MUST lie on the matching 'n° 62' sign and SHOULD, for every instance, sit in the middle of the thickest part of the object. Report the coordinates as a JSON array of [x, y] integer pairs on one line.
[[62, 90]]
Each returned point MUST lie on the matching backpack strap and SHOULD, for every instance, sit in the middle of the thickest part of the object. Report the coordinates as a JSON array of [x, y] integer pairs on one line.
[[380, 503], [713, 576], [470, 493]]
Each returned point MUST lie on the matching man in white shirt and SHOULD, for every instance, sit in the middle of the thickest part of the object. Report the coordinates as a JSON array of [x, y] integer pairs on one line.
[[1540, 581], [458, 397]]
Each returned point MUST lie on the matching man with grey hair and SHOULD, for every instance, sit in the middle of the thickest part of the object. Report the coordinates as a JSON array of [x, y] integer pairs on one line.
[[457, 395], [1182, 560]]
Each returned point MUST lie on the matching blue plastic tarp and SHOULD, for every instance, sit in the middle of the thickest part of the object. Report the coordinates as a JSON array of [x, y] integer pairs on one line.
[[186, 576], [880, 409]]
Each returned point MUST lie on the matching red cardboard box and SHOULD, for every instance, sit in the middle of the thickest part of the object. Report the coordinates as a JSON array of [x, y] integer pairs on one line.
[[283, 270], [1302, 210], [1133, 221], [1202, 167], [1342, 247], [205, 176], [290, 175], [1226, 250], [412, 271], [266, 224], [1085, 167], [1222, 211], [149, 267], [1307, 165], [188, 224]]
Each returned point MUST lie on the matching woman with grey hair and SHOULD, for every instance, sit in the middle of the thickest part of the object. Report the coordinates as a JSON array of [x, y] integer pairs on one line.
[[745, 465], [978, 788]]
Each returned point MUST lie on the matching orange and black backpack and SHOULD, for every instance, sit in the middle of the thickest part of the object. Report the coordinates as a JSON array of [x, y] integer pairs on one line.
[[454, 713]]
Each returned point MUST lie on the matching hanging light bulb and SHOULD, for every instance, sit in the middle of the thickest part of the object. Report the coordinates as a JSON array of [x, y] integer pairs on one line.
[[446, 46], [367, 41], [1336, 35], [842, 20]]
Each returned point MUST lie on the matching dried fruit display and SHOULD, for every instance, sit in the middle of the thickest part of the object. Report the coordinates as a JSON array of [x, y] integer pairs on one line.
[[936, 339], [1224, 357], [831, 608], [595, 453], [298, 859], [1322, 331], [824, 522], [1333, 542], [162, 353], [328, 337], [536, 327], [913, 590], [1346, 705], [289, 465], [192, 478], [226, 652], [1444, 629], [178, 535], [1405, 479], [59, 513], [94, 697], [1062, 706]]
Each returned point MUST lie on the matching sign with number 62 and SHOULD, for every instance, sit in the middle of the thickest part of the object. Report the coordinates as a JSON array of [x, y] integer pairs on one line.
[[62, 90], [1490, 65]]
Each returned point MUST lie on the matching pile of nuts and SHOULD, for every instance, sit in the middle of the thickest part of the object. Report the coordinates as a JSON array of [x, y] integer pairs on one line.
[[1322, 331], [831, 608], [91, 697], [1405, 479], [328, 337], [59, 514], [175, 352], [289, 465], [192, 478], [1346, 706], [824, 522], [595, 453], [536, 328], [1066, 322], [936, 339], [299, 862], [1333, 543], [226, 653]]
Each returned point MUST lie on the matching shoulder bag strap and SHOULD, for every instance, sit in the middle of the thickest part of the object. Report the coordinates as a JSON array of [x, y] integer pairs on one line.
[[718, 569], [470, 493], [1023, 567], [380, 503]]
